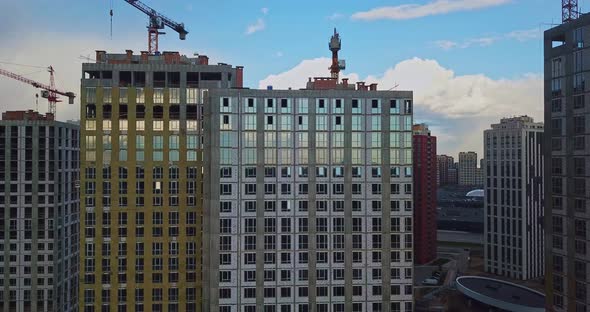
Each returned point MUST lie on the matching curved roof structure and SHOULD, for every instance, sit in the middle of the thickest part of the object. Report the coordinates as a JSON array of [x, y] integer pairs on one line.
[[475, 193], [500, 294]]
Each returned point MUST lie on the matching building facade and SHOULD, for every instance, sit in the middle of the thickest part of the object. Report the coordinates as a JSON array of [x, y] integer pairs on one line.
[[454, 174], [443, 164], [39, 208], [514, 210], [567, 216], [467, 169], [309, 199], [425, 194], [142, 179]]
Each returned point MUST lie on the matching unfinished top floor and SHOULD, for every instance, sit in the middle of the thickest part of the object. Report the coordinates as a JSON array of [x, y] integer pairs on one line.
[[166, 70], [519, 122]]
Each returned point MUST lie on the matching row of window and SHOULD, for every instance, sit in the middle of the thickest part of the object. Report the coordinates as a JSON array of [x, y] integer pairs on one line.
[[225, 259], [322, 123], [321, 291], [156, 173], [322, 105], [321, 188], [321, 307]]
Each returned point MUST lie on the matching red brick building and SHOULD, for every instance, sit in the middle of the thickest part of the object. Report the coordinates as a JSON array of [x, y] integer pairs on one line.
[[425, 173]]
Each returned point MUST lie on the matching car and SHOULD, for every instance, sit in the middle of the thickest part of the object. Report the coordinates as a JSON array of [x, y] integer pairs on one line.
[[430, 282]]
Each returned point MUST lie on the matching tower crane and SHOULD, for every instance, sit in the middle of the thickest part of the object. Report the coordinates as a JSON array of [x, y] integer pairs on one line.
[[48, 91], [157, 22]]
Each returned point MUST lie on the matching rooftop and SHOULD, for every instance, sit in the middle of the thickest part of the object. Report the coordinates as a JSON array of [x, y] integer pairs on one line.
[[501, 294], [517, 123], [26, 115], [421, 129]]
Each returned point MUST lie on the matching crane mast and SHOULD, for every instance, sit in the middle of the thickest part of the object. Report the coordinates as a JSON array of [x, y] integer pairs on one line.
[[157, 22], [48, 91], [569, 10]]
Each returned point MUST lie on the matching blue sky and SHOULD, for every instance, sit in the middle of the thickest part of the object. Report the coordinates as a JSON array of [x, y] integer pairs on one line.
[[497, 39], [300, 30]]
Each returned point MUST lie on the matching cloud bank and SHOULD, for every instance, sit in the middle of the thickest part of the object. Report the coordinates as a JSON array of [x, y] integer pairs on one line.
[[459, 107], [437, 7]]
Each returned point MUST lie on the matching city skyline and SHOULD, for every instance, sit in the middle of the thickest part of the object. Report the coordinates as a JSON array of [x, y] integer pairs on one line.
[[463, 96], [262, 165]]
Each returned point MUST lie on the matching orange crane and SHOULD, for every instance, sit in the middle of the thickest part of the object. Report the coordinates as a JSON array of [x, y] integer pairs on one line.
[[48, 91]]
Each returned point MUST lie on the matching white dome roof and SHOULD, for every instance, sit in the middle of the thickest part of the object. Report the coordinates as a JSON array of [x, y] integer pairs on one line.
[[475, 193]]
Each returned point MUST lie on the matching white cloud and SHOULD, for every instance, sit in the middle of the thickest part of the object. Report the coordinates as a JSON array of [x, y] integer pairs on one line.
[[459, 106], [335, 16], [519, 35], [279, 54], [436, 7], [264, 11], [524, 35], [446, 44], [482, 42], [256, 27]]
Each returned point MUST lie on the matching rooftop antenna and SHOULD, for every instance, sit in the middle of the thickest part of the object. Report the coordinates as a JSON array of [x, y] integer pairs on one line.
[[337, 65], [569, 10]]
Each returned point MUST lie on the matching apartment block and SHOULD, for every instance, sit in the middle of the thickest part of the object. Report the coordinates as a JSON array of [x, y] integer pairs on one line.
[[425, 197], [444, 163], [467, 170], [309, 199], [39, 209], [513, 228], [567, 216], [454, 174], [142, 179]]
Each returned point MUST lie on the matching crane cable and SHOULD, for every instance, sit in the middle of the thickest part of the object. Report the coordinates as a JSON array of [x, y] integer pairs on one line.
[[111, 14], [17, 64]]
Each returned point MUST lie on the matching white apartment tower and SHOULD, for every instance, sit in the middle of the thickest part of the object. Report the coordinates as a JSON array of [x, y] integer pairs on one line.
[[514, 198], [308, 200]]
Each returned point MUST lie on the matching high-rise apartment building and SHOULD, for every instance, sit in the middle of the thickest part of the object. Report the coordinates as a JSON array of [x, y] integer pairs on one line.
[[425, 187], [39, 207], [142, 179], [467, 169], [308, 199], [454, 174], [513, 227], [567, 163], [444, 163]]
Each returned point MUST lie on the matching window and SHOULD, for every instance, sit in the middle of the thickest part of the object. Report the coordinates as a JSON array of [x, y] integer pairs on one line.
[[226, 189]]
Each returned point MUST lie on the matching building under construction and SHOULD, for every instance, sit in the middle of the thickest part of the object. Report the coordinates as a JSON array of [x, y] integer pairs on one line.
[[567, 158], [308, 198], [142, 179], [294, 200]]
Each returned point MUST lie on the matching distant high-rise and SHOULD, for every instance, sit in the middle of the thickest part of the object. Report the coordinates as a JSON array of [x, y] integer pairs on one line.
[[513, 229], [444, 163], [567, 165], [480, 174], [454, 174], [142, 179], [39, 208], [425, 187], [467, 169]]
